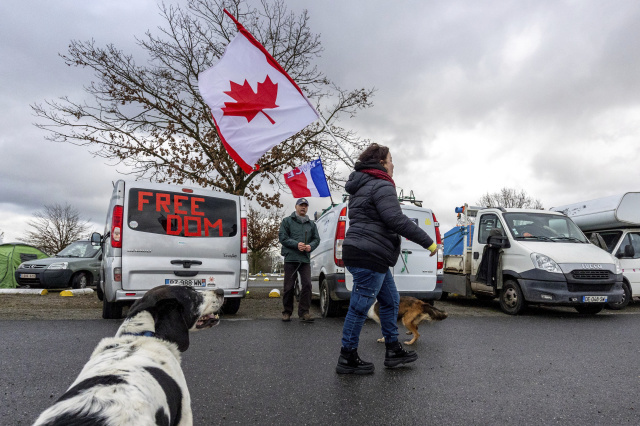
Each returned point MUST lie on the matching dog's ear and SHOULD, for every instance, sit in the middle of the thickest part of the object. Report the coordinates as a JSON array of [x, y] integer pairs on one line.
[[170, 323], [146, 303]]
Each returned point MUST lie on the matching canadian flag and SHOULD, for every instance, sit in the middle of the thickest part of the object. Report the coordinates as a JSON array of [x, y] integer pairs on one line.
[[308, 180], [255, 104]]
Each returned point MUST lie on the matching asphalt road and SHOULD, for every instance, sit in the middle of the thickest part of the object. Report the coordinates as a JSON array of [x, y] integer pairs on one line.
[[524, 370]]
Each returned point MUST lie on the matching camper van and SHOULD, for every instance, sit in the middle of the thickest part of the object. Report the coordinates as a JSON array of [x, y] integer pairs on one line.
[[159, 234], [613, 223]]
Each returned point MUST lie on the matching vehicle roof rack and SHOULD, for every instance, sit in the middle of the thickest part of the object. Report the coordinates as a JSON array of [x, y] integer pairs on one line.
[[410, 198]]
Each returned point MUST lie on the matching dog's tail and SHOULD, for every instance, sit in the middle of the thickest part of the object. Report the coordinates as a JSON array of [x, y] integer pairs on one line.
[[434, 313]]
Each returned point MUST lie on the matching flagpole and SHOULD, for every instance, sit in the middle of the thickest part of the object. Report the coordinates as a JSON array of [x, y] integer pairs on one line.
[[336, 140]]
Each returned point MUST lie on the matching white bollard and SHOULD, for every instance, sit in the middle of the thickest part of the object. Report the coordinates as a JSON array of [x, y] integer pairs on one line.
[[38, 291]]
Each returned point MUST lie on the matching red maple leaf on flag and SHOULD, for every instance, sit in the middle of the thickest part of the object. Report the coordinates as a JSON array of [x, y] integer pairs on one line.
[[248, 104]]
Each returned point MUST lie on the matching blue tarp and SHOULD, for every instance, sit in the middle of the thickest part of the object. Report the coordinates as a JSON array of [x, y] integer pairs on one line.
[[454, 239]]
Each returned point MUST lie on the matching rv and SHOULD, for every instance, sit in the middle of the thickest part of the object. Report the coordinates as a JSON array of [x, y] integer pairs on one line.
[[613, 223]]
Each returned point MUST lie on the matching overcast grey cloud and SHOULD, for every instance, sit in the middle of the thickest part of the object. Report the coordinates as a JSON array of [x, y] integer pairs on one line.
[[471, 96]]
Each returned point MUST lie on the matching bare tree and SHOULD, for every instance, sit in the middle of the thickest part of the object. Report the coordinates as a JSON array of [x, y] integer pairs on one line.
[[152, 118], [55, 228], [1, 236], [263, 227], [509, 197]]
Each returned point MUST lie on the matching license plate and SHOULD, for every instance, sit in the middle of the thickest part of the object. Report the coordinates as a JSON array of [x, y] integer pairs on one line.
[[27, 275], [199, 282], [594, 299]]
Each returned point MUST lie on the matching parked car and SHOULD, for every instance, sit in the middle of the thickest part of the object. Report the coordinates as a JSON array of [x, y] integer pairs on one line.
[[158, 234], [416, 273], [76, 266]]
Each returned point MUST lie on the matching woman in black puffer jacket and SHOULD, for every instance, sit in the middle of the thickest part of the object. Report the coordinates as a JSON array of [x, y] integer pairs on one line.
[[370, 248]]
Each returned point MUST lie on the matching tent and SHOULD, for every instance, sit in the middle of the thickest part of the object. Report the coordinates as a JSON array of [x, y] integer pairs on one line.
[[11, 256]]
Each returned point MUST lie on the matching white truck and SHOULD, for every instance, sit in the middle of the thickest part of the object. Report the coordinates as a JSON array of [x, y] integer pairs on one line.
[[416, 273], [526, 257], [613, 223]]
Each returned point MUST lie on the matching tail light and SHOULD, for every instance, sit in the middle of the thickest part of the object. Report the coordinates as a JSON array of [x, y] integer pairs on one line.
[[116, 227], [439, 244], [340, 233], [245, 236]]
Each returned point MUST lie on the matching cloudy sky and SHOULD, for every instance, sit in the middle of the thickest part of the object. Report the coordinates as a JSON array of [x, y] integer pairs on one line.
[[537, 95]]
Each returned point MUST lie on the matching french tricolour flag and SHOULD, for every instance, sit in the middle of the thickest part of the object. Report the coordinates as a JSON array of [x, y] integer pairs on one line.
[[308, 180]]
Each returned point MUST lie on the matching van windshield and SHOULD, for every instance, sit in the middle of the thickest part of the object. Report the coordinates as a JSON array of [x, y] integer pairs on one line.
[[181, 214], [543, 227], [79, 249]]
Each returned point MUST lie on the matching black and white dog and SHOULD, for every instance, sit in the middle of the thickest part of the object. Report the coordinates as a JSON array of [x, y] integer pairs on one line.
[[135, 378]]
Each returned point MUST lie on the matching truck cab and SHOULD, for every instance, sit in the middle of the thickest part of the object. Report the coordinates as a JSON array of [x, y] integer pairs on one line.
[[527, 256]]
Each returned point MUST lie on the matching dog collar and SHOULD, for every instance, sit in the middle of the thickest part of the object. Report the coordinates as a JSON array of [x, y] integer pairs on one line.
[[142, 333]]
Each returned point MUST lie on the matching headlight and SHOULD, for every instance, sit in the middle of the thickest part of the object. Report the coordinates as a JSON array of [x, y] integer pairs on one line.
[[59, 265], [21, 266], [618, 266], [540, 261]]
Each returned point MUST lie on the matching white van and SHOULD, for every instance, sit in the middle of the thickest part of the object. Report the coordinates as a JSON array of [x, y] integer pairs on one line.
[[158, 234], [416, 273], [616, 220]]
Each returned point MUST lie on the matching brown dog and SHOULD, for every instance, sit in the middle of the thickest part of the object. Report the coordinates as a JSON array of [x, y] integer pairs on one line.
[[412, 311]]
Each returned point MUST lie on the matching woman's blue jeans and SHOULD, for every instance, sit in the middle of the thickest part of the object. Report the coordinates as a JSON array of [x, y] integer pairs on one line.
[[368, 286]]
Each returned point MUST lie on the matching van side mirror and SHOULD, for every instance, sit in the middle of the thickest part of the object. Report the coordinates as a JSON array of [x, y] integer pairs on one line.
[[96, 239], [629, 251], [498, 241]]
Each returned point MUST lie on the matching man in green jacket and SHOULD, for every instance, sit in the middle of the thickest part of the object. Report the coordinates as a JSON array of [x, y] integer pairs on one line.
[[299, 237]]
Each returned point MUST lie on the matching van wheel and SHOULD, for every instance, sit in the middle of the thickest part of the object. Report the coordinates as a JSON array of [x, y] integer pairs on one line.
[[111, 310], [80, 280], [589, 309], [444, 295], [626, 298], [231, 306], [511, 298], [328, 307]]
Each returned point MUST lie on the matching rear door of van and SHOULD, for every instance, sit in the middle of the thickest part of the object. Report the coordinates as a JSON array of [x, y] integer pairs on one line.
[[180, 236], [416, 271]]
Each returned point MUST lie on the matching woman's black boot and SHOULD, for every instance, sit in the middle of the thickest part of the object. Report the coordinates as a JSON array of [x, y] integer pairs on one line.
[[396, 356], [350, 363]]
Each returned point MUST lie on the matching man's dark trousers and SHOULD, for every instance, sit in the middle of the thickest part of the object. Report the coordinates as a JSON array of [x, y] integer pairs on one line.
[[290, 269]]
